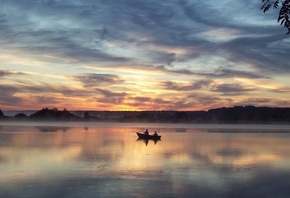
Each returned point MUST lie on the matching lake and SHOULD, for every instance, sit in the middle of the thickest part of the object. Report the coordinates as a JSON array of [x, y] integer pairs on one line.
[[107, 160]]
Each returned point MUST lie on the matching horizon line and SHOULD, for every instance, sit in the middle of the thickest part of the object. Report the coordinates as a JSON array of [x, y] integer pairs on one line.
[[9, 110]]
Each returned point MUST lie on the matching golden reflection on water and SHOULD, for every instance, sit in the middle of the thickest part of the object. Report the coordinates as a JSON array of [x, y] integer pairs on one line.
[[200, 158], [238, 149]]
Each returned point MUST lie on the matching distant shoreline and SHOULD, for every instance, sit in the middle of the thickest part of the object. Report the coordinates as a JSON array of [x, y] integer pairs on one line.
[[141, 124], [232, 115]]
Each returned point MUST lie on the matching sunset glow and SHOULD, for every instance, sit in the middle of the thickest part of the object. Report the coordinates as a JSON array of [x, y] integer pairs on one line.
[[141, 55]]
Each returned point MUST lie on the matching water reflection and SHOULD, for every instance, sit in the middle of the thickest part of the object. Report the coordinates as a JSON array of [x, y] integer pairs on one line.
[[52, 128], [146, 141], [106, 162]]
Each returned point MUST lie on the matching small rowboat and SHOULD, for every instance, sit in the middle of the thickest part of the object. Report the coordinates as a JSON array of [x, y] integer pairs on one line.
[[148, 137]]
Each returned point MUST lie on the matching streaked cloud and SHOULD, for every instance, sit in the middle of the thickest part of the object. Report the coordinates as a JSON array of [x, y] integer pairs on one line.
[[95, 80], [8, 73], [115, 55], [232, 89], [185, 87]]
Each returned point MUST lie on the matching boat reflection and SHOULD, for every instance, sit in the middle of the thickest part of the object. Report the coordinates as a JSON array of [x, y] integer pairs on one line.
[[52, 128], [146, 141]]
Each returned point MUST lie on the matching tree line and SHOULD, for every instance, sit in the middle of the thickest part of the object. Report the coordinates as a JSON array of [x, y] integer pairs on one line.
[[224, 115]]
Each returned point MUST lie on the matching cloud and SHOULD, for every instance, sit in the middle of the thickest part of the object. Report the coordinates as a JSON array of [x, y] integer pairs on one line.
[[84, 31], [231, 73], [265, 84], [8, 73], [59, 32], [46, 100], [265, 101], [231, 89], [193, 101], [43, 91], [144, 103], [96, 80], [174, 41], [184, 86], [5, 73], [113, 98], [107, 93], [257, 53], [7, 96], [141, 100]]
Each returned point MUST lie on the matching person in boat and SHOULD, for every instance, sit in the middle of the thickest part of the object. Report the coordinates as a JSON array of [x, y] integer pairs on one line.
[[146, 132], [155, 133]]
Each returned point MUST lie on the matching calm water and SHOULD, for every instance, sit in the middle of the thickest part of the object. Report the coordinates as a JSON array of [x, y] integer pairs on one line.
[[107, 160]]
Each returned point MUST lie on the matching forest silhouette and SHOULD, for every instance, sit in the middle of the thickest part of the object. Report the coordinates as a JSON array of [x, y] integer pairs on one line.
[[230, 115]]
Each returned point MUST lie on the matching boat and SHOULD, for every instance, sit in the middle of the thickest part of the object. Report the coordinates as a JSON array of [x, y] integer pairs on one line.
[[148, 137]]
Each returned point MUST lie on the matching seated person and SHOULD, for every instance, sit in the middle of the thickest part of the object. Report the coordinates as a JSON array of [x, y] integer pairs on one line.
[[155, 133], [146, 132]]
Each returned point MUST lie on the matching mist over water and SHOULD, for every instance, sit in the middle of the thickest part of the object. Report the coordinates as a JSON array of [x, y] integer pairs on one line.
[[107, 160]]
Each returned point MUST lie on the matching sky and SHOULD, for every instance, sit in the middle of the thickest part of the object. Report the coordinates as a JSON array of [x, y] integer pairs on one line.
[[122, 55]]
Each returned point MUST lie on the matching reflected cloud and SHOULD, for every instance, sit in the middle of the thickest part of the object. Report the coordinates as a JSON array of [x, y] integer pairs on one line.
[[28, 163], [107, 156]]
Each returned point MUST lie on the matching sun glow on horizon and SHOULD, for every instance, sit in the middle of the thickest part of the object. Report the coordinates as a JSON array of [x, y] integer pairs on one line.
[[261, 83]]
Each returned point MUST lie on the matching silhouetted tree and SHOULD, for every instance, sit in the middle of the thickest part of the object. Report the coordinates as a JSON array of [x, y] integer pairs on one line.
[[21, 116], [54, 114], [284, 12], [181, 116], [87, 115]]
